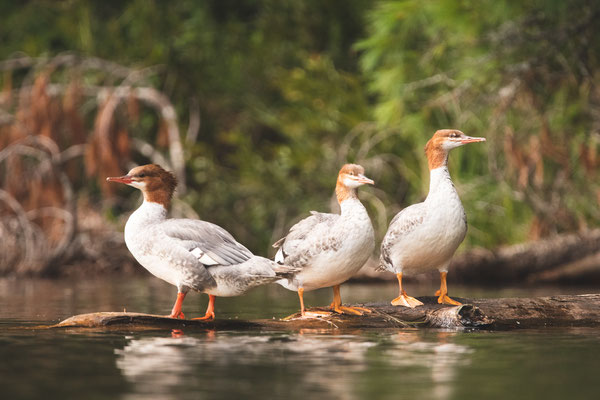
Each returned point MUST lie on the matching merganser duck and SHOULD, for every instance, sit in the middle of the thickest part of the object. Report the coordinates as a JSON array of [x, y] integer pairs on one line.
[[424, 236], [187, 253], [328, 249]]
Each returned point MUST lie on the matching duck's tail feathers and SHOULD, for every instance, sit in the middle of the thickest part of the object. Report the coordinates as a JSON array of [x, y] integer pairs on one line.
[[285, 271], [385, 263], [279, 242]]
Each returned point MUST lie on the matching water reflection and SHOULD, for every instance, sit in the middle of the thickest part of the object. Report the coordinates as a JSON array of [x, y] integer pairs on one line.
[[404, 364], [156, 365], [334, 366], [441, 357]]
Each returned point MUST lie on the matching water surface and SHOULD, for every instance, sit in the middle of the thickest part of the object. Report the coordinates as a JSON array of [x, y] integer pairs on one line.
[[400, 364]]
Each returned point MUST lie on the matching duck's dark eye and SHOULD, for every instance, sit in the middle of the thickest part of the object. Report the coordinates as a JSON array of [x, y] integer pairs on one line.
[[454, 134], [141, 175]]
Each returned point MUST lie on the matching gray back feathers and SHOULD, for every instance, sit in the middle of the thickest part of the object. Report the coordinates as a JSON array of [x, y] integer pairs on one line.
[[211, 239], [317, 225]]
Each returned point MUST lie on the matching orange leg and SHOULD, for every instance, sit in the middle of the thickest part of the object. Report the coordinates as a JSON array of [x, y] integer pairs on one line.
[[336, 305], [443, 292], [301, 296], [303, 312], [403, 299], [210, 310], [309, 314], [176, 312]]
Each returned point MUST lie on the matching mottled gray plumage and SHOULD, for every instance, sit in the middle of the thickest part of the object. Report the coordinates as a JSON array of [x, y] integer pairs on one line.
[[211, 239], [400, 228], [190, 254], [196, 254], [234, 280], [296, 250], [327, 248], [424, 236]]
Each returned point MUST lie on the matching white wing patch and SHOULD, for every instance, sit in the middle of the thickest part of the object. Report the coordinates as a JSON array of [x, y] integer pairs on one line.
[[279, 256], [202, 257]]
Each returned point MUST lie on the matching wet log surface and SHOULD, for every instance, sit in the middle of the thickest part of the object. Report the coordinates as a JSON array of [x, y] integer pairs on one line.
[[507, 313]]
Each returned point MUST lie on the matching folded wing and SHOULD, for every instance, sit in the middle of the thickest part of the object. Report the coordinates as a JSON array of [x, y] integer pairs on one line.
[[209, 243], [405, 222], [300, 237]]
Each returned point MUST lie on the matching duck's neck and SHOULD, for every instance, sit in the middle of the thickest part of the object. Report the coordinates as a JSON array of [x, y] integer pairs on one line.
[[149, 212], [351, 206], [440, 185], [436, 156], [437, 160], [347, 198], [162, 197], [342, 192]]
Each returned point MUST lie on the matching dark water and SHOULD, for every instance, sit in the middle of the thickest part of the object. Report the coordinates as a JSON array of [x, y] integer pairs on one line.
[[402, 364]]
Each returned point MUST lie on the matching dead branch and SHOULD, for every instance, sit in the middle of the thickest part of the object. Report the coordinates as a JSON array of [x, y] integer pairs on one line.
[[34, 248], [523, 262], [194, 124], [148, 151], [23, 247], [111, 97]]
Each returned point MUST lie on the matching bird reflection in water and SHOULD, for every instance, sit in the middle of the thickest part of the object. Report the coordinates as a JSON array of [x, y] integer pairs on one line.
[[339, 365], [440, 357], [156, 366], [177, 333], [322, 364]]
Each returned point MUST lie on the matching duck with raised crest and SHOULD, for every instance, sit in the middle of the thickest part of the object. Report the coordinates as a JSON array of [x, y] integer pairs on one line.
[[424, 236], [328, 249], [187, 253]]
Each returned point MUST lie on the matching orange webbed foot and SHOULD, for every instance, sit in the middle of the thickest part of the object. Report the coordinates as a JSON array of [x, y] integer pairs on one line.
[[179, 315], [443, 292], [406, 301], [210, 310], [444, 299], [308, 315], [351, 310], [207, 317]]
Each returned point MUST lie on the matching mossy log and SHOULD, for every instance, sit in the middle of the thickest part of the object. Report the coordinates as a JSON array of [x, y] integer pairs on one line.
[[507, 313]]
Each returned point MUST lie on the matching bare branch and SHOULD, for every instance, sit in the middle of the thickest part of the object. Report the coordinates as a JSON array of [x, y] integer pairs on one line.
[[147, 150], [194, 124], [28, 244]]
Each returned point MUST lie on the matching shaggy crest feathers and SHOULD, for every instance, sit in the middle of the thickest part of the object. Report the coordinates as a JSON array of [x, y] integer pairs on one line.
[[160, 184]]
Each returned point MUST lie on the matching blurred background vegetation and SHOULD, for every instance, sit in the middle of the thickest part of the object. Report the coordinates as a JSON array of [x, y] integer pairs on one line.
[[257, 103]]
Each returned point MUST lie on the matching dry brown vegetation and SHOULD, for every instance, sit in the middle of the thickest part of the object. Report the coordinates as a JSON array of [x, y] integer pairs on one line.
[[65, 121]]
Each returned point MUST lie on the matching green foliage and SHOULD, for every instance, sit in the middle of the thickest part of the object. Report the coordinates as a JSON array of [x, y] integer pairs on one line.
[[288, 91], [521, 74]]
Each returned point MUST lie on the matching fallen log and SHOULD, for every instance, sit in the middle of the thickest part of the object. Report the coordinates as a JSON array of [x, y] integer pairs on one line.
[[528, 261], [508, 313], [585, 270]]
